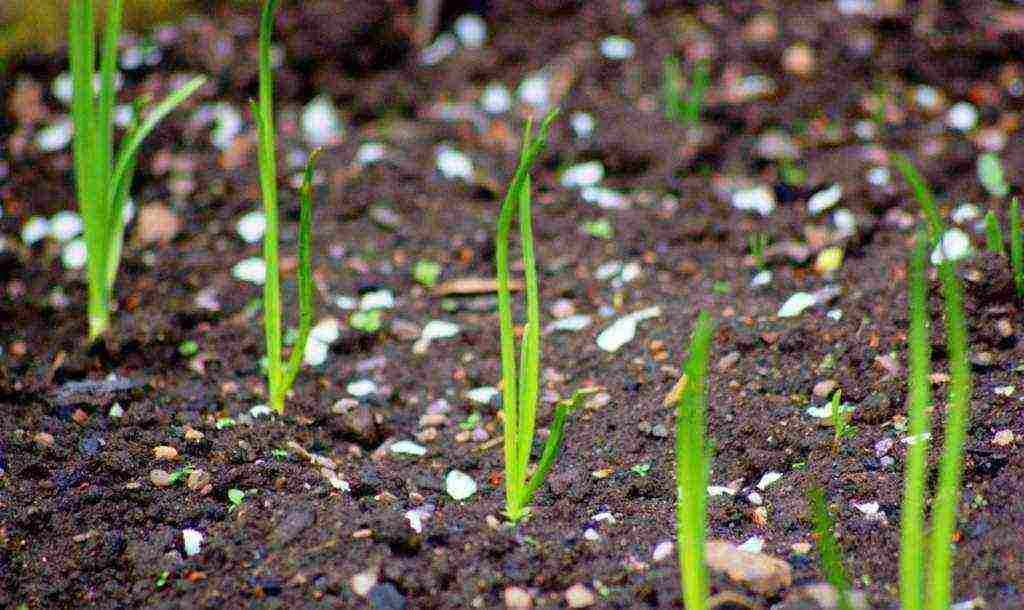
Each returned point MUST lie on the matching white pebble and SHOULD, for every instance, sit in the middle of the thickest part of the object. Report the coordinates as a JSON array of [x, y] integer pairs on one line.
[[617, 48], [754, 544], [845, 221], [251, 227], [760, 199], [662, 551], [378, 299], [316, 352], [954, 246], [459, 485], [763, 278], [571, 323], [482, 395], [252, 270], [439, 329], [74, 254], [260, 411], [796, 304], [321, 123], [362, 387], [767, 479], [454, 164], [192, 541], [65, 226], [824, 199], [878, 176], [408, 448], [496, 99], [966, 213], [583, 124], [535, 90], [471, 30], [604, 197], [326, 330], [371, 152], [963, 116], [227, 124], [623, 330], [55, 137], [583, 174]]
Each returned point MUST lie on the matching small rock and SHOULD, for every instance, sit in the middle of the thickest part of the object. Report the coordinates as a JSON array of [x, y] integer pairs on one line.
[[799, 59], [823, 596], [579, 596], [730, 600], [727, 361], [80, 417], [796, 304], [764, 574], [193, 435], [198, 479], [192, 541], [157, 223], [459, 485], [824, 388], [662, 551], [363, 582], [160, 478], [1004, 438], [518, 598], [43, 439], [163, 452]]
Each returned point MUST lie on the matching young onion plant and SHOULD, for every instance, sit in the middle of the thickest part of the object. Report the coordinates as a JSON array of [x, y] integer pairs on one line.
[[684, 106], [692, 468], [103, 179], [830, 555], [280, 375], [947, 493], [520, 387]]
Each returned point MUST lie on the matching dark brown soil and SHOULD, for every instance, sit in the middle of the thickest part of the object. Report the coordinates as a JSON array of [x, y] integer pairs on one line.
[[81, 525]]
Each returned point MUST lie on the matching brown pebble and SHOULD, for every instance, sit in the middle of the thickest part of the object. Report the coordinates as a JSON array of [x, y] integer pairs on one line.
[[160, 478], [579, 596], [518, 598], [80, 416], [43, 439], [824, 388], [191, 434], [727, 361], [157, 223], [198, 479], [163, 452], [360, 534], [799, 59]]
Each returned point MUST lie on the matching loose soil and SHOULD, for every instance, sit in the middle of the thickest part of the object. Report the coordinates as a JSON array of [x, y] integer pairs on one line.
[[81, 525]]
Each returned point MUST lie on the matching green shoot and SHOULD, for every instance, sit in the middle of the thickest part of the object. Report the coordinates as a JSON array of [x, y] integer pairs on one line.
[[679, 106], [994, 234], [990, 173], [947, 494], [919, 399], [692, 468], [758, 243], [1016, 247], [840, 423], [520, 388], [829, 553], [235, 498], [280, 376], [103, 179]]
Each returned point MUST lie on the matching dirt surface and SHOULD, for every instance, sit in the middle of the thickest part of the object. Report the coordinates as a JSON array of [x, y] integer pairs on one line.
[[83, 525]]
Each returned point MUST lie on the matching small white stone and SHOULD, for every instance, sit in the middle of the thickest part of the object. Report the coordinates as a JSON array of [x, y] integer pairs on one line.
[[763, 278], [754, 544], [496, 99], [416, 517], [572, 323], [927, 97], [482, 395], [878, 176], [364, 582], [845, 221], [760, 199], [869, 509], [755, 498], [459, 485], [591, 535], [963, 116], [362, 387], [346, 302], [251, 227], [371, 152], [767, 479], [471, 30], [718, 490], [408, 448], [321, 123], [662, 551], [796, 304], [252, 270], [605, 198], [608, 270], [535, 90], [63, 88], [326, 331], [954, 246], [835, 314], [454, 164], [631, 272], [583, 174], [439, 329], [623, 330], [966, 213], [439, 50], [192, 541], [378, 299], [604, 517], [316, 352], [914, 439], [227, 124], [260, 411], [74, 254], [617, 48], [583, 124], [824, 199], [56, 136], [65, 226]]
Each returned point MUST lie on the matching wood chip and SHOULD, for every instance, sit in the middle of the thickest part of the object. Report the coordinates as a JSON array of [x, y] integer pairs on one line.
[[473, 285], [677, 391]]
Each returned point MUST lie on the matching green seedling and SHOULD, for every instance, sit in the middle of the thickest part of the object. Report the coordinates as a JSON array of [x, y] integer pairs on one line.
[[103, 179], [280, 375], [840, 421], [161, 581], [365, 321], [471, 422], [990, 173], [600, 228], [235, 498], [684, 107], [947, 493], [520, 387], [224, 422], [1016, 248], [692, 464], [640, 469], [426, 272], [758, 243], [179, 474], [188, 348], [994, 234], [829, 553], [790, 173]]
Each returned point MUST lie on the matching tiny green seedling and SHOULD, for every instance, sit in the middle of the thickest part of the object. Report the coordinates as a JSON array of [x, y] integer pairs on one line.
[[947, 493], [520, 387], [471, 422], [188, 348], [426, 272], [161, 581], [840, 421], [758, 243], [279, 454], [679, 106], [224, 422], [990, 173], [829, 553], [235, 498], [692, 466], [600, 228], [365, 321], [641, 469], [103, 180], [1016, 247], [994, 234], [179, 474], [280, 375]]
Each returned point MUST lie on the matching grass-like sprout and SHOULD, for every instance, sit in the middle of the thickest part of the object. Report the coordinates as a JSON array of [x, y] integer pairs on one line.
[[692, 468], [1016, 248], [758, 243], [103, 179], [684, 107], [840, 421], [830, 554], [947, 494], [280, 376], [520, 387], [919, 400], [994, 234]]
